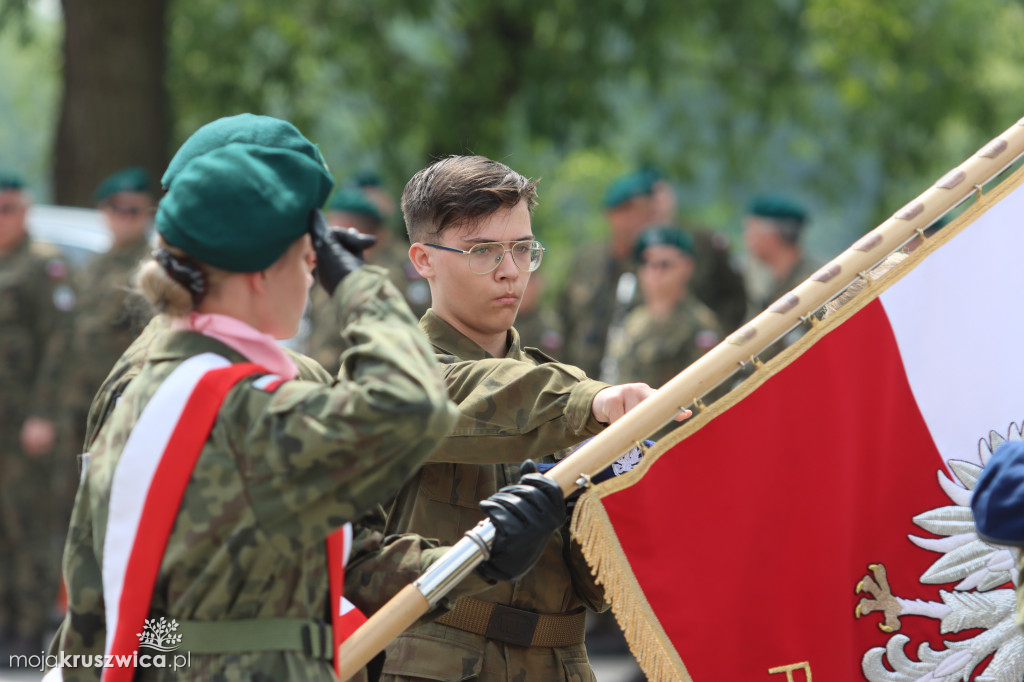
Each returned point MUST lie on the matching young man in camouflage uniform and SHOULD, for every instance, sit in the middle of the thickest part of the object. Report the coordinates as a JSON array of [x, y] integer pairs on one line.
[[378, 568], [468, 219], [35, 301]]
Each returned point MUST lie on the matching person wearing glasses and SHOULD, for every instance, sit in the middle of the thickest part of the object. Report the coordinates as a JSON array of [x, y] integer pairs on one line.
[[671, 329], [469, 223]]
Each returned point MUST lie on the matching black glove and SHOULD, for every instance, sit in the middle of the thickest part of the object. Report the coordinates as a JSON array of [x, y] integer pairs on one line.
[[339, 250], [524, 516]]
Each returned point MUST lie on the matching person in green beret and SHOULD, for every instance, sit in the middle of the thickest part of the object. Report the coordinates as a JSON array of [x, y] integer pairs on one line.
[[35, 304], [108, 316], [671, 329], [772, 228], [239, 559], [601, 286]]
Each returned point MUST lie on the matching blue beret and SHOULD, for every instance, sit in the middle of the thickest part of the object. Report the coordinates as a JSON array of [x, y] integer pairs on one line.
[[664, 235], [998, 500], [264, 131], [354, 200], [126, 180], [239, 207], [629, 186], [777, 206]]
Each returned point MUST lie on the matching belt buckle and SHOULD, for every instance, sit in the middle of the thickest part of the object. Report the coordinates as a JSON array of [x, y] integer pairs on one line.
[[318, 647], [512, 626]]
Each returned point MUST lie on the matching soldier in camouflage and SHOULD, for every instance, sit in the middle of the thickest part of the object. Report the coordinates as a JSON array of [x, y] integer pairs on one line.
[[108, 315], [35, 301], [772, 229], [292, 482], [672, 328], [469, 221]]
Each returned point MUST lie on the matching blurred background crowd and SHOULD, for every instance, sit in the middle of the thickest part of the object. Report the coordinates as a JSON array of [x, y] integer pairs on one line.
[[697, 161]]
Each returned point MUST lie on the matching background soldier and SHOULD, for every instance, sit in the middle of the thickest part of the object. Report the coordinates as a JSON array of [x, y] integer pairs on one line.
[[469, 221], [772, 229], [35, 301], [671, 329]]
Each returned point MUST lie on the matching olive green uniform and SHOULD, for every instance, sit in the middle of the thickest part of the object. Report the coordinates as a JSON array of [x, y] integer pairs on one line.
[[587, 305], [522, 406], [655, 349], [34, 302], [290, 467]]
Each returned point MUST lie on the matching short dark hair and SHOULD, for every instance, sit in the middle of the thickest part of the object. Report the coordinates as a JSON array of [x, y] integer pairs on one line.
[[459, 191]]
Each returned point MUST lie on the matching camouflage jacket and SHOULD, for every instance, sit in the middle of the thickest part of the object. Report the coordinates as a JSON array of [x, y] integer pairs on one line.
[[653, 350], [35, 300], [108, 316], [522, 406], [280, 471], [587, 305]]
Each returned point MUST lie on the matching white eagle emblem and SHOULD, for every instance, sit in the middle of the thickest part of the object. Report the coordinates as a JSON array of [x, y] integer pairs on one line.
[[980, 600]]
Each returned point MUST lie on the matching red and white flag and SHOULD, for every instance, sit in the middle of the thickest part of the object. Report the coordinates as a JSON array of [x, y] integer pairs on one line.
[[820, 528]]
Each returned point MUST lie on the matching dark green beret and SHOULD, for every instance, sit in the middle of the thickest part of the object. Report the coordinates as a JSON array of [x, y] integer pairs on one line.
[[126, 180], [9, 180], [264, 131], [367, 179], [629, 186], [240, 207], [664, 235], [777, 206], [354, 200]]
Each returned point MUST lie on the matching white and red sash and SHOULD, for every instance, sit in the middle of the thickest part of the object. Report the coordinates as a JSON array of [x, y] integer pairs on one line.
[[163, 447]]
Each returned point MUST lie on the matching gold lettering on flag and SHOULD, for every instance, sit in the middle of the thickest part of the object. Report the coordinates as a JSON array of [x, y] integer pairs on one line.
[[788, 669]]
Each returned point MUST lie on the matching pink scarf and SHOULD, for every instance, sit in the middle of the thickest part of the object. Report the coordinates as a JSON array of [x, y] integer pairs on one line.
[[253, 344]]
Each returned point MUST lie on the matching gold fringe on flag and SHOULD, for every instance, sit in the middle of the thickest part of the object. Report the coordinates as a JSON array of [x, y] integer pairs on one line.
[[591, 525]]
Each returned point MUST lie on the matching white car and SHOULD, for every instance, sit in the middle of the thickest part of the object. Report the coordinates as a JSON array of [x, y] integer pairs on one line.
[[79, 233]]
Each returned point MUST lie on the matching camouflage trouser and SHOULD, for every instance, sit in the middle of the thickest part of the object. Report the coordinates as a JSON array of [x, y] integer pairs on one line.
[[29, 578], [439, 652]]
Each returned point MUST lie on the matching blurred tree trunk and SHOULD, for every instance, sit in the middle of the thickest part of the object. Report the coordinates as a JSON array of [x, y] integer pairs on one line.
[[114, 109]]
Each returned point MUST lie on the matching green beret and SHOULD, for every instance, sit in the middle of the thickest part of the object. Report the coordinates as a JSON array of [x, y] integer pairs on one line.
[[629, 186], [777, 206], [126, 180], [367, 179], [354, 200], [263, 131], [238, 208], [664, 235], [9, 180]]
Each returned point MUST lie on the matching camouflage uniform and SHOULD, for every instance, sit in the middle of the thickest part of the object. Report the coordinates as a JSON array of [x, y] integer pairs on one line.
[[34, 300], [108, 318], [653, 350], [324, 342], [290, 465], [522, 406], [587, 305]]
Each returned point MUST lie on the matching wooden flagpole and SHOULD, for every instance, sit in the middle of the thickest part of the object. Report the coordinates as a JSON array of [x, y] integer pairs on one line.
[[685, 388]]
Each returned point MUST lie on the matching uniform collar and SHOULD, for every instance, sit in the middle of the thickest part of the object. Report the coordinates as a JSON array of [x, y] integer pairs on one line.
[[447, 340]]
